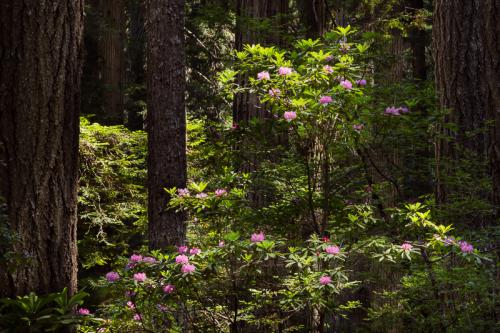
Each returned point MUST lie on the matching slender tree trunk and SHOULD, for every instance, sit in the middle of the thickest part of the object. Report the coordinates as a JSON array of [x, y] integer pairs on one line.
[[313, 17], [40, 72], [136, 60], [166, 119], [111, 49], [417, 43], [249, 13]]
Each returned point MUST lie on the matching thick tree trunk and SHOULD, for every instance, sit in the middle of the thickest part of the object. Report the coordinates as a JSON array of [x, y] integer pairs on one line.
[[40, 72], [467, 71], [313, 17], [111, 50], [166, 119], [492, 28]]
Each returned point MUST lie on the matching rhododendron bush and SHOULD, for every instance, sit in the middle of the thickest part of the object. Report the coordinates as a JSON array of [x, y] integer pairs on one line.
[[288, 228]]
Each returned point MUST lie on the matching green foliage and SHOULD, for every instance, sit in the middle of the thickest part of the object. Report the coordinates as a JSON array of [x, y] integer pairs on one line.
[[112, 196], [33, 313]]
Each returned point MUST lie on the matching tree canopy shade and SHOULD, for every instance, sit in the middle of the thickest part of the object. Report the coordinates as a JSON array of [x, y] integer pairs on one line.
[[40, 67], [166, 119]]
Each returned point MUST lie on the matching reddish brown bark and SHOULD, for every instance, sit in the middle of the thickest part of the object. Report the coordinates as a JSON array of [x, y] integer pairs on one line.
[[166, 119], [40, 68]]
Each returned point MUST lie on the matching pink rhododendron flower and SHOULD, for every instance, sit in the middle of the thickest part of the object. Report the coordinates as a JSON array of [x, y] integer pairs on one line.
[[325, 99], [329, 58], [131, 305], [129, 293], [112, 276], [83, 311], [406, 246], [392, 111], [325, 279], [328, 69], [181, 259], [137, 317], [466, 247], [361, 82], [182, 249], [220, 192], [221, 244], [346, 84], [201, 195], [358, 127], [284, 71], [289, 115], [194, 251], [183, 192], [274, 92], [263, 75], [140, 277], [168, 289], [258, 237], [135, 258], [332, 249], [188, 268], [149, 260]]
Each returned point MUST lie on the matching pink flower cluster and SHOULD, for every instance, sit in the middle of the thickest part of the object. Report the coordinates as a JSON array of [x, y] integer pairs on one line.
[[361, 82], [263, 76], [465, 247], [284, 71], [396, 111], [182, 259], [325, 100], [324, 280], [255, 238], [328, 69], [183, 192], [83, 311], [188, 268], [112, 276], [201, 195], [289, 115], [406, 246], [168, 288], [358, 127], [346, 84], [140, 277], [220, 192], [332, 249]]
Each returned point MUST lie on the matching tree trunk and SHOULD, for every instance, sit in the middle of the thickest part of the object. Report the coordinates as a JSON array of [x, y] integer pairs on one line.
[[40, 72], [492, 28], [249, 13], [313, 17], [459, 46], [417, 43], [166, 119], [111, 49], [467, 71], [136, 71]]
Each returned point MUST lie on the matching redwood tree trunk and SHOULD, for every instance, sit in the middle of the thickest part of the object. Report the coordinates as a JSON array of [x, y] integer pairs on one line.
[[166, 119], [40, 72], [466, 45], [111, 50]]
